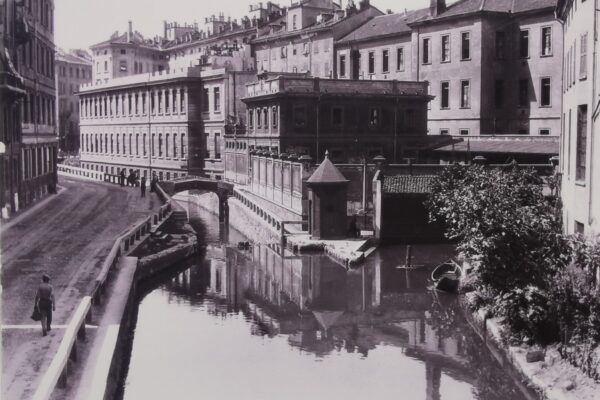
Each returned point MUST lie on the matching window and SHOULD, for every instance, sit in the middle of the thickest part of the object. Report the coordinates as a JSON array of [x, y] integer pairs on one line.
[[316, 48], [400, 59], [545, 89], [580, 164], [546, 41], [465, 47], [337, 116], [374, 117], [579, 228], [258, 118], [463, 132], [544, 132], [583, 57], [123, 51], [385, 61], [217, 99], [266, 118], [174, 145], [123, 65], [523, 93], [446, 48], [444, 131], [299, 116], [371, 62], [205, 100], [105, 66], [274, 117], [294, 22], [343, 65], [445, 95], [250, 118], [500, 44], [465, 94], [160, 145], [499, 93], [218, 145], [426, 51], [524, 44]]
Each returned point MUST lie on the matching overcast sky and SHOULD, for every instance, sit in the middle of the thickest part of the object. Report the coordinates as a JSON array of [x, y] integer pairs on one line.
[[81, 23]]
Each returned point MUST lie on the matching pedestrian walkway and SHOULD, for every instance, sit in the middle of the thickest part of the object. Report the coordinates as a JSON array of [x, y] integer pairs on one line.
[[68, 239]]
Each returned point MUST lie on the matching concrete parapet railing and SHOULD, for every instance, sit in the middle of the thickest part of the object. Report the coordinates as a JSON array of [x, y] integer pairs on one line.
[[81, 173], [102, 372], [58, 369]]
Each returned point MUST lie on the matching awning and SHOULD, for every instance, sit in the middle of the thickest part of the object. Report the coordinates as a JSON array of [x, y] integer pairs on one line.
[[504, 146]]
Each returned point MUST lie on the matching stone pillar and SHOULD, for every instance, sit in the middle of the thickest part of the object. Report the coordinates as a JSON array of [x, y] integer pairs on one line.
[[185, 101], [155, 94], [162, 103]]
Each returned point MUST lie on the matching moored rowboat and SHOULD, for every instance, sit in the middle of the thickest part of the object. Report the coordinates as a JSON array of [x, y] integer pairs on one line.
[[446, 276]]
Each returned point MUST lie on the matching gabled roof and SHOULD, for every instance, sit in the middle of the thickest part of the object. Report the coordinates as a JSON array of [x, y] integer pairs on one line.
[[136, 38], [326, 173], [72, 58], [465, 7], [408, 184], [383, 25]]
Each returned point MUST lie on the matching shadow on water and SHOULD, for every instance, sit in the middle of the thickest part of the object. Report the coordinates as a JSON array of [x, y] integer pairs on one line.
[[266, 314]]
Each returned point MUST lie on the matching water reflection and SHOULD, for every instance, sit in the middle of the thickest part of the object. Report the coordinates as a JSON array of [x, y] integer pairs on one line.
[[265, 323]]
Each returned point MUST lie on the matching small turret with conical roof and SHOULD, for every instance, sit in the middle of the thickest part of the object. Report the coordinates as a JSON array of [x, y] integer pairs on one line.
[[326, 173], [327, 201]]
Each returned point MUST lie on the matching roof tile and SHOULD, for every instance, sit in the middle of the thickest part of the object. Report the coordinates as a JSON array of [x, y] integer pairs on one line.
[[408, 184]]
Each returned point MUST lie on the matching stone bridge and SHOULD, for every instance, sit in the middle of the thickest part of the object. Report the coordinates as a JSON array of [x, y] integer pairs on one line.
[[222, 189]]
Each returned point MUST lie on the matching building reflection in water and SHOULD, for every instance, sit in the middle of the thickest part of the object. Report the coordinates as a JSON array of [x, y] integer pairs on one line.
[[322, 307]]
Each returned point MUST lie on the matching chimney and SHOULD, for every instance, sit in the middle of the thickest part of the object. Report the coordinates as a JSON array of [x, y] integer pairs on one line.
[[130, 32], [437, 7], [166, 30]]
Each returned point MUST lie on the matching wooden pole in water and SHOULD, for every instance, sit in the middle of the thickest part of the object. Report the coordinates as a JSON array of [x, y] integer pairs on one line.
[[408, 255]]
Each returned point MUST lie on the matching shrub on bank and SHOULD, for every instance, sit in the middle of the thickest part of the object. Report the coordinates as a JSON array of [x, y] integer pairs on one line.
[[524, 270]]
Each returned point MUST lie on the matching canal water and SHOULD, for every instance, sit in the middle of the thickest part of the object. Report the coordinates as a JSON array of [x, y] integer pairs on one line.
[[263, 323]]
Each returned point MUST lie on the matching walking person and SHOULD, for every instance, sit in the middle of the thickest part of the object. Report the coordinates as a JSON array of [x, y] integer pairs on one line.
[[143, 186], [44, 301], [122, 177]]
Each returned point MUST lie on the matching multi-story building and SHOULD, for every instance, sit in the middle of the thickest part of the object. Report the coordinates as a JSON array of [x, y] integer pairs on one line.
[[302, 39], [12, 34], [294, 115], [127, 54], [35, 63], [171, 122], [494, 66], [72, 69], [149, 122], [580, 191]]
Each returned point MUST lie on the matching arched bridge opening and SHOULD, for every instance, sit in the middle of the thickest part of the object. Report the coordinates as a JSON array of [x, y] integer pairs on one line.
[[222, 189]]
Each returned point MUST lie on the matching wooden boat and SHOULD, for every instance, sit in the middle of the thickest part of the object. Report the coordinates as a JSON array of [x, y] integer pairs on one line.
[[446, 276]]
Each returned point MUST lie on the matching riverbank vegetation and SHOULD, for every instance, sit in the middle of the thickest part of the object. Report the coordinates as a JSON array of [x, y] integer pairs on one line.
[[543, 284]]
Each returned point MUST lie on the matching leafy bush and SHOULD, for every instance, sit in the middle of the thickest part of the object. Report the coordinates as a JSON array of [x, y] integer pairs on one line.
[[528, 315], [503, 223]]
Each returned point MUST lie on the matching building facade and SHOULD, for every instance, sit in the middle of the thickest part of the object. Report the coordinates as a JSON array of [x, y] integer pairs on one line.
[[127, 54], [12, 92], [494, 67], [295, 115], [302, 39], [35, 63], [72, 69], [579, 189], [170, 123], [150, 123]]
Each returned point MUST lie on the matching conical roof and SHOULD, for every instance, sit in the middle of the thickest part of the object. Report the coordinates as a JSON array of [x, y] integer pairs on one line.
[[326, 173]]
